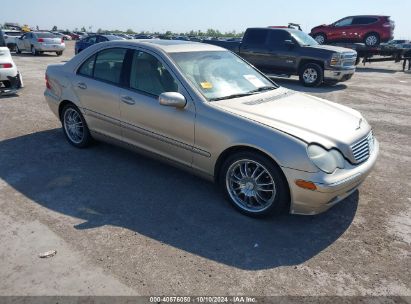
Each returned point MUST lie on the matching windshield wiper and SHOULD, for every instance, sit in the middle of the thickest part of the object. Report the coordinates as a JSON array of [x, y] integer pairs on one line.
[[232, 96], [262, 89]]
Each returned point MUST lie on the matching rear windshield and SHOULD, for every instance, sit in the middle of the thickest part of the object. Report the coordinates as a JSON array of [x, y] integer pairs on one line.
[[45, 35], [13, 33]]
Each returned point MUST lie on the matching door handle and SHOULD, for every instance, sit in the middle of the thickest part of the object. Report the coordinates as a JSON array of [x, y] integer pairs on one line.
[[127, 100], [82, 85]]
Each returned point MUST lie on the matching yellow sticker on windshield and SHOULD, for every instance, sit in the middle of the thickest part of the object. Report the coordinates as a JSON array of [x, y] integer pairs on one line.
[[206, 85]]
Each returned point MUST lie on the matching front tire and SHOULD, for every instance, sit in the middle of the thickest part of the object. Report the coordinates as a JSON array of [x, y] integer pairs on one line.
[[311, 75], [18, 51], [59, 53], [320, 38], [254, 184], [34, 51], [372, 39], [75, 127]]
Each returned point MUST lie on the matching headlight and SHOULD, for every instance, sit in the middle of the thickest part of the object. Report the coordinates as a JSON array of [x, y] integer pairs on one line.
[[327, 161], [335, 59]]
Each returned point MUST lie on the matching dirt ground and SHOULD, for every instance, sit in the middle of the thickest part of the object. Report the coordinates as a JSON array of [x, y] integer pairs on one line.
[[123, 224]]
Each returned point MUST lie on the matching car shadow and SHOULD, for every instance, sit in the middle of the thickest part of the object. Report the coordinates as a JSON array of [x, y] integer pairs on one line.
[[107, 185], [46, 54], [362, 69], [294, 84]]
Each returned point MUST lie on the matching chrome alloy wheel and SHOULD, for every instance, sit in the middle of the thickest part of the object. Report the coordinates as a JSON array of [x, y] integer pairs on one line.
[[371, 40], [320, 39], [73, 125], [310, 75], [250, 185]]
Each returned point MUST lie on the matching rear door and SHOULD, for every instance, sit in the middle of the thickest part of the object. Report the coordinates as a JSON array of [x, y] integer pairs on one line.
[[360, 27], [27, 41], [253, 48], [97, 85], [166, 131]]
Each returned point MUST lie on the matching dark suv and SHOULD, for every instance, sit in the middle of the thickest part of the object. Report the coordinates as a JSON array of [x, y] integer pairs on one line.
[[370, 30]]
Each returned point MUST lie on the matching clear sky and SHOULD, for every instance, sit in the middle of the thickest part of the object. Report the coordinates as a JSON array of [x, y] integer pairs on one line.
[[185, 15]]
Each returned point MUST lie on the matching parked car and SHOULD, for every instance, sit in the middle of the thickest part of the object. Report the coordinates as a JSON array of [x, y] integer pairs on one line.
[[398, 44], [73, 36], [125, 36], [40, 42], [368, 29], [62, 36], [143, 36], [285, 51], [10, 78], [10, 37], [90, 40], [207, 110]]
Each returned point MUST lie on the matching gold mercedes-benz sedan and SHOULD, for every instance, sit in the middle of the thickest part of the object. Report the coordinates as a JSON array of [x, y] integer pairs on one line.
[[205, 109]]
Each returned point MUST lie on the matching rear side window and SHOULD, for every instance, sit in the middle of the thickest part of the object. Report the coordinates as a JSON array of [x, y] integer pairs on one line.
[[364, 20], [109, 64], [87, 67], [105, 65], [256, 36]]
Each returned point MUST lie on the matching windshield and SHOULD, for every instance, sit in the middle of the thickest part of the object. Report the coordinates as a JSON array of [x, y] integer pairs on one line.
[[303, 38], [221, 74]]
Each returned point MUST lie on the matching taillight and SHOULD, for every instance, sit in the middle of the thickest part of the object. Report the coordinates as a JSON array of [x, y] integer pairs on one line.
[[5, 65], [48, 86], [40, 40], [387, 24], [62, 40]]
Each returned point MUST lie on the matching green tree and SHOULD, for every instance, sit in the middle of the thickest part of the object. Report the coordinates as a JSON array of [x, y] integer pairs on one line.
[[54, 28], [83, 29], [130, 31]]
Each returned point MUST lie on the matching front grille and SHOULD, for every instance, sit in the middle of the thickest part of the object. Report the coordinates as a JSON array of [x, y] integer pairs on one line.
[[361, 149], [348, 59]]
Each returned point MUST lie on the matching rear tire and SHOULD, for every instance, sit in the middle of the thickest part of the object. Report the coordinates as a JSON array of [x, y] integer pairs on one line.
[[254, 184], [59, 53], [75, 127], [372, 39], [320, 38], [311, 75]]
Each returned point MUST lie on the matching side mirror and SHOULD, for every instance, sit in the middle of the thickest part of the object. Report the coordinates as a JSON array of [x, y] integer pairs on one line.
[[289, 43], [172, 99]]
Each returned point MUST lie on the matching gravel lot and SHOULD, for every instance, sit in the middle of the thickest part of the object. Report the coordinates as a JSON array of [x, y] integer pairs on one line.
[[127, 225]]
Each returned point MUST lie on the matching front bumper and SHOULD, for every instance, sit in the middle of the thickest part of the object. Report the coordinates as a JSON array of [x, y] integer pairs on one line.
[[338, 75], [331, 188]]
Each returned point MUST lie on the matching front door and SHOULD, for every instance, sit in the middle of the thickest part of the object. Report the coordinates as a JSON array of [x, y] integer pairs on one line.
[[166, 131]]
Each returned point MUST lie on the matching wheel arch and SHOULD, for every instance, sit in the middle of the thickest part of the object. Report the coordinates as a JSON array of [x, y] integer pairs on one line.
[[305, 61], [243, 148], [63, 104]]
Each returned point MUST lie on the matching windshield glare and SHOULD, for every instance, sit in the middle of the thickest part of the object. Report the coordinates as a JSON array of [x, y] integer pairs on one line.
[[303, 38], [219, 74]]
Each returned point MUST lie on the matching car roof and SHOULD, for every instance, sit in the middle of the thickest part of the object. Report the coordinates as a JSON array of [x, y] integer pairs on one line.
[[167, 46], [374, 16]]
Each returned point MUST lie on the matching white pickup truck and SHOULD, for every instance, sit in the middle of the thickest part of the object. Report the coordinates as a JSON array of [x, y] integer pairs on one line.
[[10, 78], [10, 38]]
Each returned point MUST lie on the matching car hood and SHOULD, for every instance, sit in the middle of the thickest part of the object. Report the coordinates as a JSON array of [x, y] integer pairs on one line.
[[331, 48], [311, 119]]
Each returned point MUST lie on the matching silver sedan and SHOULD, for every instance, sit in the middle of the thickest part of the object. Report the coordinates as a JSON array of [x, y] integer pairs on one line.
[[40, 42], [208, 111]]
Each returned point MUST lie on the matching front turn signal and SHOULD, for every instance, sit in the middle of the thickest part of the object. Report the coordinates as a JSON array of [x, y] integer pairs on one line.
[[306, 185]]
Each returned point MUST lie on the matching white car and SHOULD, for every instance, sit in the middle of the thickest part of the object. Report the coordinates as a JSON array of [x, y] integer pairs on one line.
[[10, 38], [10, 78]]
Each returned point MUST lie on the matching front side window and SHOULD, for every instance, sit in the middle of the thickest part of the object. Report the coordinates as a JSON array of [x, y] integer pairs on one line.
[[91, 39], [221, 74], [277, 38], [149, 75], [344, 22]]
